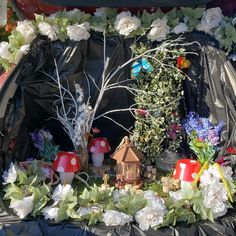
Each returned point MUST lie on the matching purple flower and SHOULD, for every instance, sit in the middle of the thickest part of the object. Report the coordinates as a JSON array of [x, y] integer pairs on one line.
[[38, 140], [202, 128], [213, 137]]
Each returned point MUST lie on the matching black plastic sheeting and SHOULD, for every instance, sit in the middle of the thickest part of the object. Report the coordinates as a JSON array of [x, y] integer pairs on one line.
[[73, 59], [209, 92], [225, 226]]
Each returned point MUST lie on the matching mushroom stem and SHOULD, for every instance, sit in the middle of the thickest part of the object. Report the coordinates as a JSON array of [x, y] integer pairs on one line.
[[97, 158], [66, 177]]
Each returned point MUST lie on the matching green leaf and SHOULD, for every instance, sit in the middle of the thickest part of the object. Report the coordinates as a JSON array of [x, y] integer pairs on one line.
[[95, 217], [146, 19], [62, 213], [13, 192], [131, 204], [22, 177]]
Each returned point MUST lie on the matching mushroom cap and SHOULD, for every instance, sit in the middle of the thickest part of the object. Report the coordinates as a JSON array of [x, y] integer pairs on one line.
[[186, 169], [99, 145], [66, 162]]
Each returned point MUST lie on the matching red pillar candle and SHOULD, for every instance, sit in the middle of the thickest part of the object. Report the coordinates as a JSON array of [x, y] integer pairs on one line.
[[186, 170]]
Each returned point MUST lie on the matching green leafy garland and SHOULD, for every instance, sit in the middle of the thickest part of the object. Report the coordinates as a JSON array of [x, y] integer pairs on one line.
[[77, 25], [160, 91]]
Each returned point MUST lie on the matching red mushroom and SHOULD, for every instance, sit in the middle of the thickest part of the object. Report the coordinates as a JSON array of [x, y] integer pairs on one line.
[[98, 146], [66, 163], [186, 170]]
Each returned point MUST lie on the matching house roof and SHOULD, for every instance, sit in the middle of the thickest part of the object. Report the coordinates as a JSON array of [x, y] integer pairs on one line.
[[127, 153]]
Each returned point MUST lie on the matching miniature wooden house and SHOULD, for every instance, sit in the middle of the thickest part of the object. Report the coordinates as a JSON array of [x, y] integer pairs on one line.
[[128, 162]]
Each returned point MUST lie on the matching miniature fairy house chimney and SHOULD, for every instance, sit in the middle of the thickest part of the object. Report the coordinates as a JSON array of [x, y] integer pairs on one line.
[[128, 161]]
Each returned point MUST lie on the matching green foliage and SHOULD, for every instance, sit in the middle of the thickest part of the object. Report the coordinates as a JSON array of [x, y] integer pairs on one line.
[[204, 150], [27, 184], [192, 15], [156, 187], [159, 93], [226, 35], [131, 203], [189, 208], [95, 195]]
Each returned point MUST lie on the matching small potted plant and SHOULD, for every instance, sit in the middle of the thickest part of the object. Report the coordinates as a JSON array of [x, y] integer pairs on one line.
[[98, 146]]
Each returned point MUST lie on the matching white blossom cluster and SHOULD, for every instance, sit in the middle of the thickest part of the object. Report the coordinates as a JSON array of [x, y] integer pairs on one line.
[[153, 214], [214, 191], [60, 193]]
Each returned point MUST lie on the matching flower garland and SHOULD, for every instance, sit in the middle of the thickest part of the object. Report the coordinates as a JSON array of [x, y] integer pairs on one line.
[[29, 195], [77, 25]]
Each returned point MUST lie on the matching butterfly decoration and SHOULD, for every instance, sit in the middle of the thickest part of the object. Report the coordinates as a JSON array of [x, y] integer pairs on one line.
[[141, 64]]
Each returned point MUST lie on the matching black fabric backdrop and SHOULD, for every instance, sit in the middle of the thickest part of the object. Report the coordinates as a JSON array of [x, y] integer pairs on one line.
[[210, 92], [211, 85]]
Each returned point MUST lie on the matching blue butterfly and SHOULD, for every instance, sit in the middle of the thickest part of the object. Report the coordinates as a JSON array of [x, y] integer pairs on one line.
[[137, 66]]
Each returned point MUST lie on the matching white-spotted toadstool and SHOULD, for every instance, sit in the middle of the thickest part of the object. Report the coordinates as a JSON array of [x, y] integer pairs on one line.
[[66, 163], [98, 146]]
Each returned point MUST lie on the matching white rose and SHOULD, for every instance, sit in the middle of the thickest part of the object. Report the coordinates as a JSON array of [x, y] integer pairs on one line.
[[21, 52], [27, 29], [83, 211], [113, 218], [61, 192], [159, 30], [180, 28], [212, 175], [23, 207], [117, 194], [48, 30], [4, 51], [211, 19], [10, 175], [153, 214], [215, 198], [150, 216], [50, 213], [125, 23], [78, 32]]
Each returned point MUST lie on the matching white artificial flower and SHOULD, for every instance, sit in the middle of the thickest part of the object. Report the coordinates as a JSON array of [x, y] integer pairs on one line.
[[25, 48], [48, 30], [212, 174], [125, 23], [117, 194], [186, 192], [50, 213], [113, 218], [211, 19], [180, 28], [27, 29], [61, 192], [83, 211], [4, 51], [10, 175], [153, 214], [159, 30], [215, 198], [78, 32], [100, 12], [23, 207], [21, 52]]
